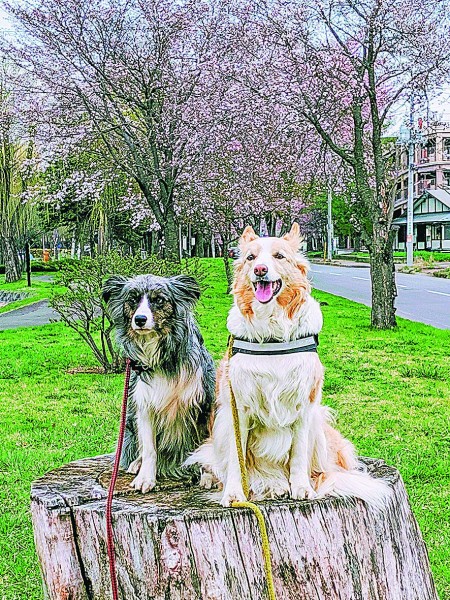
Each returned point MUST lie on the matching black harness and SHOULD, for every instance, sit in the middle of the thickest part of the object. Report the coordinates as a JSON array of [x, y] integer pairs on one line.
[[139, 368], [274, 348]]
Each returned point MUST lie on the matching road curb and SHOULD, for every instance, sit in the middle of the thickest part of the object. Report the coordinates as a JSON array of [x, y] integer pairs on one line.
[[340, 264]]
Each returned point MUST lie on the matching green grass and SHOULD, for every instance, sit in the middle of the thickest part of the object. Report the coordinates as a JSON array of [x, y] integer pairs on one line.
[[391, 390], [39, 290], [398, 256]]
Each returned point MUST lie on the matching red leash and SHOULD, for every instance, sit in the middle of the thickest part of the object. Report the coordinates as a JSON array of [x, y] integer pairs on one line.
[[109, 529]]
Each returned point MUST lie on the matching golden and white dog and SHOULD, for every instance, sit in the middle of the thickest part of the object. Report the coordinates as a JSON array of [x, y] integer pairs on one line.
[[290, 447]]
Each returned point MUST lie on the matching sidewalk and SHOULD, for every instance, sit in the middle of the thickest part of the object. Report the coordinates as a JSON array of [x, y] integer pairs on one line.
[[361, 265], [339, 263], [38, 313]]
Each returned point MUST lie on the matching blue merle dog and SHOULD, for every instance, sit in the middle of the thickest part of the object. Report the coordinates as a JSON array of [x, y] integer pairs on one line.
[[172, 383]]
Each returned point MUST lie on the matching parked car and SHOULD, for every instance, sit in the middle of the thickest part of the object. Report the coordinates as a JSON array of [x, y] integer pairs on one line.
[[233, 252]]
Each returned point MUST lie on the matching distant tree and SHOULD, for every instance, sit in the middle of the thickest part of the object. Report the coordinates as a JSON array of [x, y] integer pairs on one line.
[[86, 197], [15, 155]]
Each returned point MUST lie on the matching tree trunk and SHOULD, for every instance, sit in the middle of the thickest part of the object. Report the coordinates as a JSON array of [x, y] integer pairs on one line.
[[199, 248], [175, 543], [227, 264], [170, 235], [384, 290], [228, 270], [13, 271]]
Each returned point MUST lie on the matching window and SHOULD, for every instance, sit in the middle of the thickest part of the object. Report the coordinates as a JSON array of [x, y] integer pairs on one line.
[[447, 176], [446, 148], [428, 152], [436, 232], [447, 232]]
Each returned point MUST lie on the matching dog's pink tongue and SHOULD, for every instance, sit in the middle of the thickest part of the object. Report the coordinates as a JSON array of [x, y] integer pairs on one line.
[[263, 291]]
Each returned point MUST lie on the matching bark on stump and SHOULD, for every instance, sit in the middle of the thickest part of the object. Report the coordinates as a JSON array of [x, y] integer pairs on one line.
[[174, 543]]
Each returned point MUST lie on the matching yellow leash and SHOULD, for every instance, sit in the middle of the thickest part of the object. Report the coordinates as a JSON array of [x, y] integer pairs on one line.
[[245, 486]]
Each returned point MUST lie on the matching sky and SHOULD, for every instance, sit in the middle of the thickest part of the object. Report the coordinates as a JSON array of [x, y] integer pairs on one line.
[[438, 108], [4, 24], [438, 105]]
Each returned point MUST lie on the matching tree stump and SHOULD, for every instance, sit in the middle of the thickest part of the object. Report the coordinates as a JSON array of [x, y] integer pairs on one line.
[[174, 543]]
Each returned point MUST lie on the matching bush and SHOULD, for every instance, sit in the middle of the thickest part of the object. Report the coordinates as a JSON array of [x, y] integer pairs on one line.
[[427, 256], [38, 266], [81, 307], [445, 273]]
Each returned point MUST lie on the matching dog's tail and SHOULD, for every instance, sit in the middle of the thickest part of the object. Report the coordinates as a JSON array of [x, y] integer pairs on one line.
[[335, 458], [203, 456], [355, 484]]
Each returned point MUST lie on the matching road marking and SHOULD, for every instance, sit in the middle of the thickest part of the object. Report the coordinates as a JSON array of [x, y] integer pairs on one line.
[[440, 293], [363, 278], [403, 286], [330, 273]]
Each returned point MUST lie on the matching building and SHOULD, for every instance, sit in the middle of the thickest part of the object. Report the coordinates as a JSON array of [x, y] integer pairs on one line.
[[431, 192]]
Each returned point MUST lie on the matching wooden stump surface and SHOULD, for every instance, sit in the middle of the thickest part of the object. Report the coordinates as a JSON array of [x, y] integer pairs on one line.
[[176, 544]]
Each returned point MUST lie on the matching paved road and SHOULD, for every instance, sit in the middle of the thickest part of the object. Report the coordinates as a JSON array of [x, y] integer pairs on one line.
[[420, 297], [34, 314]]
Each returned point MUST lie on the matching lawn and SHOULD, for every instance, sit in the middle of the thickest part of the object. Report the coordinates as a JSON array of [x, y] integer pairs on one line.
[[39, 290], [399, 256], [391, 390]]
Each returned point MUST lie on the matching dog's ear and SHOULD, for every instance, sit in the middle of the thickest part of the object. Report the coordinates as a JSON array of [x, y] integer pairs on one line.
[[293, 237], [113, 287], [186, 288], [248, 235]]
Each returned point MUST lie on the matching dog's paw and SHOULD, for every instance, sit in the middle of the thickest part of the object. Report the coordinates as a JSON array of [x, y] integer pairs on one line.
[[278, 491], [135, 466], [231, 495], [143, 483], [207, 480], [302, 491]]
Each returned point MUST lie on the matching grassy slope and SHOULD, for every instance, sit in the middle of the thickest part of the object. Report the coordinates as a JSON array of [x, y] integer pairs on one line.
[[39, 290], [390, 389]]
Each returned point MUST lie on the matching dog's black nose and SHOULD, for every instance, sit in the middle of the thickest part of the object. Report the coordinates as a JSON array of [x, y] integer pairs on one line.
[[140, 320]]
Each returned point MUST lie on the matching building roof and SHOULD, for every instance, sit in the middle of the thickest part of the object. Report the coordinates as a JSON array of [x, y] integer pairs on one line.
[[440, 217], [441, 195]]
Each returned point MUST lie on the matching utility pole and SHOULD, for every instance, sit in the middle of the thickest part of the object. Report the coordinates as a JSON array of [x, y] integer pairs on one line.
[[27, 262], [329, 225], [410, 136], [410, 205]]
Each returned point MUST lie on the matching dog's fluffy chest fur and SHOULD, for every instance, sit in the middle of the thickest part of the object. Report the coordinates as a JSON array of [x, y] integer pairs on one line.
[[170, 397], [274, 389]]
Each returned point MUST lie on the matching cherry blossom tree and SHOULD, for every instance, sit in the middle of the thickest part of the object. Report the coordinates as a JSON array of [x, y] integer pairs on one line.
[[252, 171], [342, 66], [130, 74]]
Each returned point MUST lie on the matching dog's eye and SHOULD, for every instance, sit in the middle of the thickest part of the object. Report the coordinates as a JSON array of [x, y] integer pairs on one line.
[[250, 257], [135, 297], [159, 301], [279, 255]]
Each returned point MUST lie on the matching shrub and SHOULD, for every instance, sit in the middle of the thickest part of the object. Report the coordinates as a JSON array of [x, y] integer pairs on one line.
[[443, 273], [81, 306], [38, 266]]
